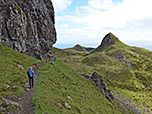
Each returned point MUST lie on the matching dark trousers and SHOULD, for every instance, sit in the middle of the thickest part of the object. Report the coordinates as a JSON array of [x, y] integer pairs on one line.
[[31, 82]]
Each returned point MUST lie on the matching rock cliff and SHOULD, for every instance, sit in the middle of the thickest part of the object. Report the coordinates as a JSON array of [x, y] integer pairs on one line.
[[28, 26]]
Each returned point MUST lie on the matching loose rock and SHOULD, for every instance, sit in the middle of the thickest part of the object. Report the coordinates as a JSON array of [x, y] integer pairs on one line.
[[2, 109], [20, 67], [10, 102], [69, 97], [67, 106]]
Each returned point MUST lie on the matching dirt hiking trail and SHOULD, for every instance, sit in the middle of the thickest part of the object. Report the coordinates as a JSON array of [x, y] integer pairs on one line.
[[25, 100]]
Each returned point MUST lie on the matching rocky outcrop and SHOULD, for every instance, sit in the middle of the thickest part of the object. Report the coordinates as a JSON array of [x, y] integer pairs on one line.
[[118, 100], [108, 40], [99, 81], [28, 26], [124, 60]]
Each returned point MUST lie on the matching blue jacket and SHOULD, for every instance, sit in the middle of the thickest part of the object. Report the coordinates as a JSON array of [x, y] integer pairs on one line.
[[30, 73]]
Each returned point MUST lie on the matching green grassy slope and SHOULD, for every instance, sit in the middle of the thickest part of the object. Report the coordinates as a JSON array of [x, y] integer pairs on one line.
[[140, 59], [138, 87], [12, 78], [130, 83], [57, 83]]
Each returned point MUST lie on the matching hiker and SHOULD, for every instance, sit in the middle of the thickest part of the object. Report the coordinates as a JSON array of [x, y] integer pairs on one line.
[[31, 74]]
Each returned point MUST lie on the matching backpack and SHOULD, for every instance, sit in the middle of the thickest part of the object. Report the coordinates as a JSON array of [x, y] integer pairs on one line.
[[30, 74]]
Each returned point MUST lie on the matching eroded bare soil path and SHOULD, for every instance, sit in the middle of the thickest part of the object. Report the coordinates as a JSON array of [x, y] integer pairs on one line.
[[26, 99]]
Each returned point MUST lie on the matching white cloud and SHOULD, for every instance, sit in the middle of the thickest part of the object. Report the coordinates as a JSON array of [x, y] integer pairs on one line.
[[100, 4], [130, 20], [64, 26], [61, 5], [115, 16]]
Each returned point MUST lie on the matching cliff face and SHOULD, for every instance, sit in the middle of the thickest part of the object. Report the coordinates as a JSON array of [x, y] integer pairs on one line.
[[28, 26]]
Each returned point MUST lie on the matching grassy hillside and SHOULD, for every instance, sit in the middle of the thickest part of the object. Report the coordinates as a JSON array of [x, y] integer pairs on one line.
[[59, 84], [138, 87], [12, 78], [127, 70]]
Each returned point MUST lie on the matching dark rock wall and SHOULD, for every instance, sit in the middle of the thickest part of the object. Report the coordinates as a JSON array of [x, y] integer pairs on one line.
[[28, 26]]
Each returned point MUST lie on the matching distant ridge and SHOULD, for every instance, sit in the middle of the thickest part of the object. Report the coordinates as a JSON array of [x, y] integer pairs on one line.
[[77, 47]]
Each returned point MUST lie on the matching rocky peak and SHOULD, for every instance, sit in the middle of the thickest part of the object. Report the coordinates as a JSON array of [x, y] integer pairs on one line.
[[28, 26], [108, 40]]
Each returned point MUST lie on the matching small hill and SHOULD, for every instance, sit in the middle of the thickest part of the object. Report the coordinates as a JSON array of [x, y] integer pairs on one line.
[[80, 48], [67, 52], [77, 47]]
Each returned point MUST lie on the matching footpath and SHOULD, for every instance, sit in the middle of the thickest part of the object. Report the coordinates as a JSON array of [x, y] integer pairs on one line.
[[26, 98]]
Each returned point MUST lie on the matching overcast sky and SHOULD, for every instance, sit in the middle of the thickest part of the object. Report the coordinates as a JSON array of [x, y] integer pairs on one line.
[[86, 22]]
